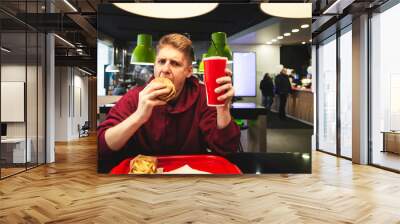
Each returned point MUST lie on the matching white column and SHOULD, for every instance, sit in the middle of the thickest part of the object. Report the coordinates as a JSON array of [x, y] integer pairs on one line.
[[313, 88], [360, 90], [50, 101]]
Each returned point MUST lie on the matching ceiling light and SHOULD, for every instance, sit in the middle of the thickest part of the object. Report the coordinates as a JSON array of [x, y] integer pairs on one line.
[[143, 53], [65, 41], [269, 42], [337, 7], [287, 34], [5, 49], [287, 10], [273, 40], [70, 5], [304, 26], [86, 72], [112, 68], [310, 40], [295, 30], [168, 10], [280, 37], [305, 156], [303, 42]]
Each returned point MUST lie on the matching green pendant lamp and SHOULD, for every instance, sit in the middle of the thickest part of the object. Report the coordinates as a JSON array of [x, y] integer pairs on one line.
[[143, 54], [201, 65], [219, 46]]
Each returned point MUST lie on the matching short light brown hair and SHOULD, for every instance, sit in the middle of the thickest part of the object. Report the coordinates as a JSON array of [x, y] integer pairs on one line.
[[180, 42]]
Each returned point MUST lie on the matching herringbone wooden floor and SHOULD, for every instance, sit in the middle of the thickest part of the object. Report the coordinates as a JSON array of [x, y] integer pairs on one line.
[[70, 191]]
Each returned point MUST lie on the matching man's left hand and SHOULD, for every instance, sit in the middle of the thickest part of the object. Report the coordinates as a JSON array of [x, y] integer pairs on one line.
[[225, 87]]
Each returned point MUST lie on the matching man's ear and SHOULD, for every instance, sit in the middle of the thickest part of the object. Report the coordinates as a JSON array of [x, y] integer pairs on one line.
[[190, 71]]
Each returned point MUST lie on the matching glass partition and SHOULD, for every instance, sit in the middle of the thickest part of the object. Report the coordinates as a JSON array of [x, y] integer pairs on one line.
[[31, 98], [13, 98], [22, 89], [327, 96], [41, 92], [346, 93], [385, 88]]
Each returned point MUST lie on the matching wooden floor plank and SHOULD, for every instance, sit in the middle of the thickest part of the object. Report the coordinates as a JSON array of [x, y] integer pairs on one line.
[[70, 191]]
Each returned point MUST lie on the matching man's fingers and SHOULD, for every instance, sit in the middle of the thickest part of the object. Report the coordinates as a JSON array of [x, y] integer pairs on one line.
[[224, 79], [154, 94], [153, 86], [223, 88], [228, 72], [227, 95]]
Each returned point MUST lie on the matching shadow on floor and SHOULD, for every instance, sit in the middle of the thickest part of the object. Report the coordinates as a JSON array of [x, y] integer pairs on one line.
[[273, 122], [287, 135]]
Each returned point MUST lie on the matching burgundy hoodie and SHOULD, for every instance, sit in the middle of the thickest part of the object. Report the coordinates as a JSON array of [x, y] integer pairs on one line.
[[188, 126]]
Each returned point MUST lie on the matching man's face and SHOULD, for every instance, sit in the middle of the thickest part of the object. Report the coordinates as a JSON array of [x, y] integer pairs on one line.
[[172, 64]]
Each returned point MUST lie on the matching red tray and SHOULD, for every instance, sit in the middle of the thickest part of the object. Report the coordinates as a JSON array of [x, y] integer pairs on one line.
[[207, 163]]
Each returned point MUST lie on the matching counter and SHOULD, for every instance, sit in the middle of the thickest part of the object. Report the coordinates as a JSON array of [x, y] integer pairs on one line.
[[258, 163], [300, 105], [256, 138]]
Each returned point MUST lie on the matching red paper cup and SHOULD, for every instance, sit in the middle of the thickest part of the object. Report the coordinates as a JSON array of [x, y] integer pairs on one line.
[[214, 68]]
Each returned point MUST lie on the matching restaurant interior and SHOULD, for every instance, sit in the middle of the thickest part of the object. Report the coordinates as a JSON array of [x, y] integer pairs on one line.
[[250, 57]]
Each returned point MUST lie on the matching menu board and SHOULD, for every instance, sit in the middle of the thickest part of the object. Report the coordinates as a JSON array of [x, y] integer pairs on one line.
[[244, 73]]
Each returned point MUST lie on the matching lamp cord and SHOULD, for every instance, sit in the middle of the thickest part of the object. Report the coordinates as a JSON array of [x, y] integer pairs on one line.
[[212, 41]]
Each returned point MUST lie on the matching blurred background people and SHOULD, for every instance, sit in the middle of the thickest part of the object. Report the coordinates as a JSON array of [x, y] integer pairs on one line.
[[282, 89], [267, 90]]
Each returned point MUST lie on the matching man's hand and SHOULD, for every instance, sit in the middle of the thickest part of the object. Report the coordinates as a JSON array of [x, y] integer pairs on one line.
[[148, 99], [116, 137], [226, 88], [223, 113]]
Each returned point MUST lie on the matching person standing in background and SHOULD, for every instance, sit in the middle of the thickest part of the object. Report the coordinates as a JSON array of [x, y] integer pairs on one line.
[[267, 90], [282, 89]]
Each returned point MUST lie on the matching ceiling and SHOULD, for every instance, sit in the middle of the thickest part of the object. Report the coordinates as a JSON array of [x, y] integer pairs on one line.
[[120, 26], [271, 29], [230, 18], [244, 23]]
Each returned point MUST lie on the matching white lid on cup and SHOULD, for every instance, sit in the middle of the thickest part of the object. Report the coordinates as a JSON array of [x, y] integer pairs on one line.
[[216, 57]]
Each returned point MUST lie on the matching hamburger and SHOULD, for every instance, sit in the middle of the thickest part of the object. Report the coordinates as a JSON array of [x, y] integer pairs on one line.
[[143, 165], [169, 85]]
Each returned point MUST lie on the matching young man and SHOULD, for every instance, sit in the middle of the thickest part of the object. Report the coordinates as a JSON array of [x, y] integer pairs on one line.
[[141, 123]]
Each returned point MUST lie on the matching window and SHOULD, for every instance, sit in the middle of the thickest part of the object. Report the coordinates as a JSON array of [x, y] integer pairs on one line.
[[327, 95], [385, 89], [346, 93]]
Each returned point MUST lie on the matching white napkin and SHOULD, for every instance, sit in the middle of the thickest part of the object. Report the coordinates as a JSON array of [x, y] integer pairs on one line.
[[186, 169]]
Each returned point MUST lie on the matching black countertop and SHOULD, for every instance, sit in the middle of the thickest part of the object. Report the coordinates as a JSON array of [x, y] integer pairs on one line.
[[259, 163]]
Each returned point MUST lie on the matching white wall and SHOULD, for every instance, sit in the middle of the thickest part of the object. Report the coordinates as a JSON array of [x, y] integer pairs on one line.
[[71, 94], [267, 60], [104, 57], [61, 103], [13, 73]]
